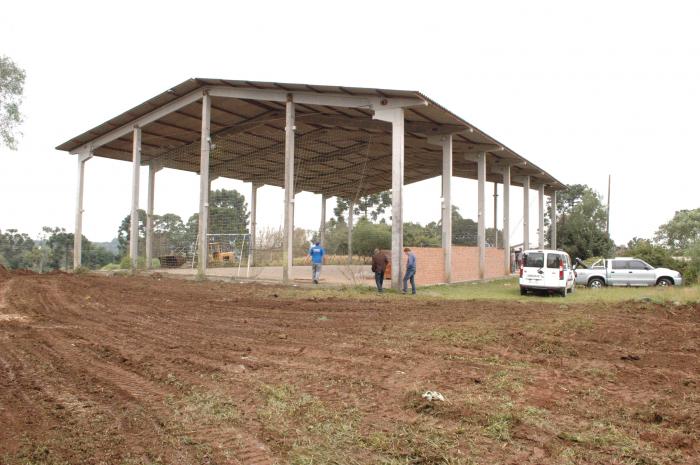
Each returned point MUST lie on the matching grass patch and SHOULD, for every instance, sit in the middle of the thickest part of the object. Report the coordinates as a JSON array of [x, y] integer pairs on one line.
[[306, 429], [416, 444], [501, 423], [508, 289], [466, 338], [204, 408]]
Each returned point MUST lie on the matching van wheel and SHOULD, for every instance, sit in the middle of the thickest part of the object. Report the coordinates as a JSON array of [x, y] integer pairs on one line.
[[596, 283], [523, 291], [664, 282]]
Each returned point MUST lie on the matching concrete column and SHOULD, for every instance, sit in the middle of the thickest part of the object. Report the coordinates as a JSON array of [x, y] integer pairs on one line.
[[322, 230], [205, 148], [481, 242], [253, 220], [134, 231], [78, 233], [553, 227], [288, 190], [526, 212], [495, 214], [506, 218], [152, 170], [540, 201], [351, 216], [396, 117], [447, 206]]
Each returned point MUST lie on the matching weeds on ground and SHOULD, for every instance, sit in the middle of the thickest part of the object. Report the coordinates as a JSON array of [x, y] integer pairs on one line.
[[305, 429], [466, 338], [201, 407]]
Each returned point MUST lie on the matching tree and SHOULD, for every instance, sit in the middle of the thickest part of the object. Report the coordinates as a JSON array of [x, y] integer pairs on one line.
[[124, 233], [681, 232], [16, 249], [370, 206], [581, 222], [228, 212], [367, 236], [59, 251], [654, 254], [415, 235], [464, 230], [169, 234], [11, 91]]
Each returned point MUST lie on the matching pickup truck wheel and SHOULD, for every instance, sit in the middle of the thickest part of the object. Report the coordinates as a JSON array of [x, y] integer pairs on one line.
[[664, 282], [596, 283]]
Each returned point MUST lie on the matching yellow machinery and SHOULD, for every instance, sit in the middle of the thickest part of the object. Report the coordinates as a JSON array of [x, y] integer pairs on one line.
[[217, 253]]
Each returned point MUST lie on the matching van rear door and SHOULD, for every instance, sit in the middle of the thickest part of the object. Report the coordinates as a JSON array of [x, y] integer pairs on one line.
[[553, 262], [533, 269]]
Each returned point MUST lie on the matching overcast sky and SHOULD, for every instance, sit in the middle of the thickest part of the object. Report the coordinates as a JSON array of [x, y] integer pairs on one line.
[[582, 89]]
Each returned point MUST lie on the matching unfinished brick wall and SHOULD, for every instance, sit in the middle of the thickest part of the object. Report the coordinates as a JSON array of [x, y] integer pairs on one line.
[[465, 264]]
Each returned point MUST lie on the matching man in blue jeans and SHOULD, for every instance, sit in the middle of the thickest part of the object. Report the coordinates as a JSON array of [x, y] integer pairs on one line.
[[410, 271], [316, 253]]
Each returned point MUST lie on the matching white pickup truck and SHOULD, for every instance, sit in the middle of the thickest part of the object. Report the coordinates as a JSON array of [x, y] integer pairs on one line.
[[624, 271]]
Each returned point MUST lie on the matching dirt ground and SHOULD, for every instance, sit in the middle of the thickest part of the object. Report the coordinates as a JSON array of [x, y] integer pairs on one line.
[[148, 370]]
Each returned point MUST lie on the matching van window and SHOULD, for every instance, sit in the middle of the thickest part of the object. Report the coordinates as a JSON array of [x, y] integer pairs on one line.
[[534, 259], [619, 265], [553, 260]]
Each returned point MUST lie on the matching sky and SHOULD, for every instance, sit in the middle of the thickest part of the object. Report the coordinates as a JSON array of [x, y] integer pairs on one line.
[[582, 89]]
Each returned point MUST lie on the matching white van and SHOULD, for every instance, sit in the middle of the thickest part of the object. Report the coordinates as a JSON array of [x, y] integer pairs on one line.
[[546, 270]]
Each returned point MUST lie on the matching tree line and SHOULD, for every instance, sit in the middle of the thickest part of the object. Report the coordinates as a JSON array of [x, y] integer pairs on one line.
[[581, 231], [582, 225]]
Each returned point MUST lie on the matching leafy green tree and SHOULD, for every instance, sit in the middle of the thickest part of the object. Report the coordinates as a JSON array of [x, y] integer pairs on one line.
[[415, 235], [169, 234], [370, 206], [654, 254], [367, 236], [336, 237], [11, 91], [464, 230], [681, 232], [581, 223], [16, 249], [59, 245], [124, 233], [228, 212]]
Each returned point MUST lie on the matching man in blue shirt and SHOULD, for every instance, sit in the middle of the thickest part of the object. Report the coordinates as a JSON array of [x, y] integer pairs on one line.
[[410, 271], [316, 253]]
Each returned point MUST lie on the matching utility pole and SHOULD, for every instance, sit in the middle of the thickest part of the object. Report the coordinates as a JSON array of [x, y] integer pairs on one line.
[[607, 222]]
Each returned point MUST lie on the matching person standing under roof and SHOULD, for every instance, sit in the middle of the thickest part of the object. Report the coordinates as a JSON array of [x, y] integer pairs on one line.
[[410, 271], [316, 254], [379, 263]]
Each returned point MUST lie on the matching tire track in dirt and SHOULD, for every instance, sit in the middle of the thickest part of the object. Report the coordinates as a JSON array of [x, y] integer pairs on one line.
[[98, 345], [131, 387]]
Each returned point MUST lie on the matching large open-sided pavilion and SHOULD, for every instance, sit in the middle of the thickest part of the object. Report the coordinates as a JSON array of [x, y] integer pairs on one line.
[[252, 131]]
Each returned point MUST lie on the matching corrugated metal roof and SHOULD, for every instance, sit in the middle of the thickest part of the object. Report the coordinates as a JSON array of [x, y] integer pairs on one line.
[[180, 130]]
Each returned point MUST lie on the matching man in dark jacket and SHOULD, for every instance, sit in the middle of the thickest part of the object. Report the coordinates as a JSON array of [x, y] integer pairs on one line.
[[379, 263]]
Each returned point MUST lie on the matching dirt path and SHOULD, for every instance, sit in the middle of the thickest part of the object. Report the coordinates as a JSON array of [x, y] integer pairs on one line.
[[149, 370]]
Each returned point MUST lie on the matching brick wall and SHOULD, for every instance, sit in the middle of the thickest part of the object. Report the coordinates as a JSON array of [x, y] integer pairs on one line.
[[465, 264]]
